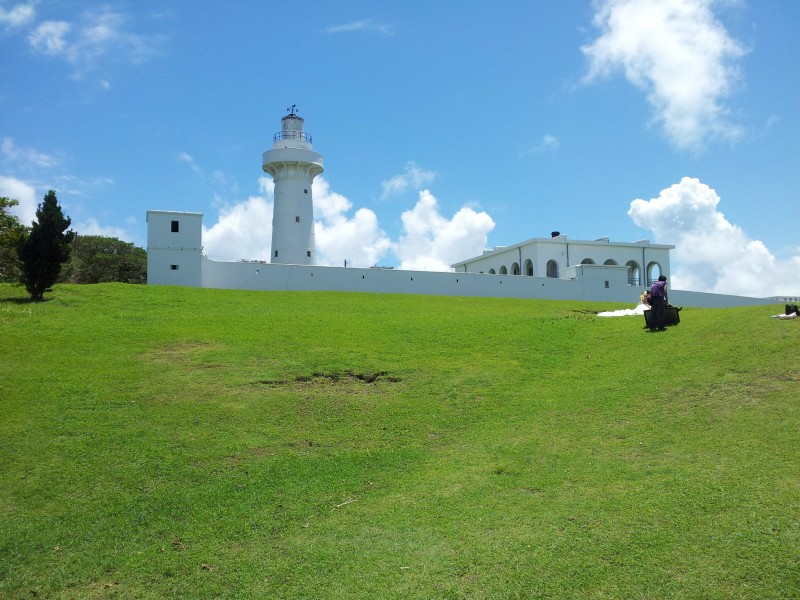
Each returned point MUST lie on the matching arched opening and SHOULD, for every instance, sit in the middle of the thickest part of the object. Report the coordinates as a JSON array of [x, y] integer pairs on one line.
[[492, 272], [634, 273], [552, 269], [529, 268], [515, 269], [653, 272], [587, 261], [610, 262], [503, 270]]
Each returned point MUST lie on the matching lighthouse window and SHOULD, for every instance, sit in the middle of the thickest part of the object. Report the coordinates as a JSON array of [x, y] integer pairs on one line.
[[297, 219], [276, 254], [305, 191], [174, 267], [308, 253], [175, 227]]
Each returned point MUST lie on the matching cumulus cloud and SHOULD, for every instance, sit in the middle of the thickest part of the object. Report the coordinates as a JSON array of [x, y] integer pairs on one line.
[[14, 188], [413, 177], [357, 239], [679, 54], [17, 16], [244, 229], [711, 254], [431, 242]]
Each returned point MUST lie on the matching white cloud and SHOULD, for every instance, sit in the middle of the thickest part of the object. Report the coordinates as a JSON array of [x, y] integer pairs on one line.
[[18, 16], [365, 25], [187, 158], [14, 188], [98, 33], [48, 37], [243, 230], [431, 242], [27, 156], [679, 54], [711, 254], [548, 144], [413, 177], [92, 227], [359, 239]]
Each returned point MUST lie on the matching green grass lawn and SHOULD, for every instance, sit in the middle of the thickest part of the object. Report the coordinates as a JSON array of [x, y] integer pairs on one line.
[[162, 442]]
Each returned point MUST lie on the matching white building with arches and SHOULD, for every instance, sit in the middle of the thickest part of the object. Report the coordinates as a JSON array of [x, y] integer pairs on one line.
[[561, 258]]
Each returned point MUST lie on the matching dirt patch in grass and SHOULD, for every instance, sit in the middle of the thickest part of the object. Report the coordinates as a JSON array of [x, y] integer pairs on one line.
[[320, 379]]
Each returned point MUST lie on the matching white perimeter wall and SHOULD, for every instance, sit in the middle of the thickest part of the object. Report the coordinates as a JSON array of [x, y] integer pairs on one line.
[[258, 276], [591, 286]]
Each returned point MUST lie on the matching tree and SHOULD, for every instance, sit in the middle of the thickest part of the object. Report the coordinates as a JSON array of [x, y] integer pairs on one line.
[[98, 259], [45, 248], [11, 233]]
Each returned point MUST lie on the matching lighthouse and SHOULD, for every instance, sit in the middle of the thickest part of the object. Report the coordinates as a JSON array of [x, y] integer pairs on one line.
[[293, 164]]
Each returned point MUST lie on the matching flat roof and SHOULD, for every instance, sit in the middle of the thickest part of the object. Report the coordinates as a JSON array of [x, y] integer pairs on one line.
[[562, 239]]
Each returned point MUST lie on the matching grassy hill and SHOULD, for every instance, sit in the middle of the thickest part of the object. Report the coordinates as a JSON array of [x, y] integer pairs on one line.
[[170, 442]]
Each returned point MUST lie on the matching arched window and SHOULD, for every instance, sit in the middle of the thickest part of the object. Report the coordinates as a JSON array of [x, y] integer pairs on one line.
[[515, 269], [653, 271], [492, 272], [552, 269], [610, 262], [587, 261], [634, 273], [529, 268], [503, 270]]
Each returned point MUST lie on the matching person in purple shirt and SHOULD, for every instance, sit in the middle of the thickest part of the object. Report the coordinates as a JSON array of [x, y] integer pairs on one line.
[[658, 302]]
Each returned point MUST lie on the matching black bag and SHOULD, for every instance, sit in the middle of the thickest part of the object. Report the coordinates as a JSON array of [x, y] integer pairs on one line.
[[671, 316], [792, 308]]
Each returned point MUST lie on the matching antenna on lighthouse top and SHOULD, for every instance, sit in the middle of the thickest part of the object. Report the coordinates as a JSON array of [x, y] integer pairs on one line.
[[292, 109]]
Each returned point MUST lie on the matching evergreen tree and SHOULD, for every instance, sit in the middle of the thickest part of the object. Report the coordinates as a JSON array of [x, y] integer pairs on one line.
[[45, 248], [11, 232]]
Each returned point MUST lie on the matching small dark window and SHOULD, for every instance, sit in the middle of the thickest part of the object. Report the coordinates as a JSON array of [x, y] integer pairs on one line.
[[305, 191], [297, 219], [174, 267], [175, 227], [308, 253], [276, 254]]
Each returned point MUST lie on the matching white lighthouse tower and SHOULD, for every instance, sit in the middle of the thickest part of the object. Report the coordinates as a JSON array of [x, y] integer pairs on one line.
[[293, 165]]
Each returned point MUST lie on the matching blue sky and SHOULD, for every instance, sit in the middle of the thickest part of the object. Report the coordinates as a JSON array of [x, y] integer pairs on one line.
[[446, 127]]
